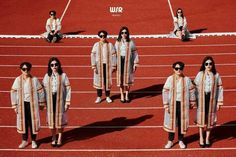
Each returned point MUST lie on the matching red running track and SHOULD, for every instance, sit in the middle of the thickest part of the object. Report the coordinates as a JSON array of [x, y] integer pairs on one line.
[[117, 129]]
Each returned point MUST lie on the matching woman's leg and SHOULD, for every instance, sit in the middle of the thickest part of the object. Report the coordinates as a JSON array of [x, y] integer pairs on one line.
[[127, 88], [208, 132], [33, 136], [171, 137], [53, 131], [179, 34], [207, 102], [201, 138], [122, 99], [122, 88], [24, 142], [49, 37], [27, 120], [54, 137], [58, 35], [59, 140]]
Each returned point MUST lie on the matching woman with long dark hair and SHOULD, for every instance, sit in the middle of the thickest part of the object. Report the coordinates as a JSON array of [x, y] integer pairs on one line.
[[180, 25], [127, 63], [58, 96], [210, 98], [27, 97]]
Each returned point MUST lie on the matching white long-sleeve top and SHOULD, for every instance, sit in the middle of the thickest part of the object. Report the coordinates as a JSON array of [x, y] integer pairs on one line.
[[53, 25]]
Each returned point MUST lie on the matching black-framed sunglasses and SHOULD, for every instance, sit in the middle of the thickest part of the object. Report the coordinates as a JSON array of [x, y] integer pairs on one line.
[[25, 69], [54, 65], [52, 14], [179, 12], [102, 36], [124, 32], [178, 68], [206, 64]]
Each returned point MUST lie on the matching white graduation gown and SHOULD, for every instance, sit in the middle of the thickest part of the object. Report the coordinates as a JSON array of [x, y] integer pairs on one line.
[[169, 98], [37, 98], [63, 98], [216, 98]]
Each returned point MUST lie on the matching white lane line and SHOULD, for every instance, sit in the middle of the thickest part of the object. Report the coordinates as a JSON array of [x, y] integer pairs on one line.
[[181, 46], [138, 46], [141, 66], [217, 34], [136, 78], [118, 108], [186, 54], [42, 46], [116, 92], [108, 108], [171, 10], [88, 56], [117, 127], [64, 12], [122, 150]]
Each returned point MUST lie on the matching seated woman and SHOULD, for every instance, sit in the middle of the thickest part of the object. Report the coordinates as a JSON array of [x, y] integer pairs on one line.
[[180, 25], [53, 27]]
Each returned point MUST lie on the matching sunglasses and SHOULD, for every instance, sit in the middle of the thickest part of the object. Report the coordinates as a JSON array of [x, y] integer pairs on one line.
[[24, 69], [124, 32], [54, 65], [206, 64], [178, 68], [52, 14], [102, 36]]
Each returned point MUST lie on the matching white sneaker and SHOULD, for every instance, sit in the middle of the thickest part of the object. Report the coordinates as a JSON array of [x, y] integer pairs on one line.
[[108, 99], [182, 145], [169, 145], [98, 100], [54, 39], [23, 144], [34, 145]]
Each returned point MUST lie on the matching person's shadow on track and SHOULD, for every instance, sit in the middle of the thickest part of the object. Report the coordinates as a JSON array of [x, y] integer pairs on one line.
[[225, 131], [147, 92], [74, 33], [97, 128]]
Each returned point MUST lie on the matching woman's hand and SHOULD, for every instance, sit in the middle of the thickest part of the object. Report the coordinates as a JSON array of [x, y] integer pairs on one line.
[[16, 110], [67, 107], [167, 108], [95, 70], [134, 68]]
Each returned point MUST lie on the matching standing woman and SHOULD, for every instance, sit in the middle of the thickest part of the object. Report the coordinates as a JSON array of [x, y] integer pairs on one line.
[[178, 96], [127, 62], [27, 95], [210, 98], [180, 25], [103, 59], [53, 27], [58, 96]]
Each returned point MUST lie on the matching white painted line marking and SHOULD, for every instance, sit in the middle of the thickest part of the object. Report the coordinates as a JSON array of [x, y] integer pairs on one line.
[[141, 55], [122, 150], [116, 92], [115, 36], [62, 16], [136, 78], [138, 46], [117, 127], [140, 66], [171, 9], [118, 108]]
